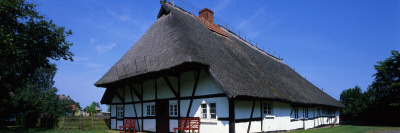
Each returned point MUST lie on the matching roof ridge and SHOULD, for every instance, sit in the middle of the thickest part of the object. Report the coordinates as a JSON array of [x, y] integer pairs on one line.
[[233, 33]]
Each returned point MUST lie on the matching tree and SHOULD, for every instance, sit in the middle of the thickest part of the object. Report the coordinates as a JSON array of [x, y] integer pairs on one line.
[[387, 88], [91, 109], [27, 44], [387, 80], [353, 99], [380, 104]]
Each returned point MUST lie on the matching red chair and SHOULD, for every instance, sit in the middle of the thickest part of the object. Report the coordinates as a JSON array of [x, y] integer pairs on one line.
[[189, 124], [129, 123]]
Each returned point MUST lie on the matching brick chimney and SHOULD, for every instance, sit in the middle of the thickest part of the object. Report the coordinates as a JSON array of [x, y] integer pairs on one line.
[[207, 14]]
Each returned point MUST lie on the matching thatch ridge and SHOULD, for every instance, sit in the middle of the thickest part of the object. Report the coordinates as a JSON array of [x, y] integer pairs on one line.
[[241, 71]]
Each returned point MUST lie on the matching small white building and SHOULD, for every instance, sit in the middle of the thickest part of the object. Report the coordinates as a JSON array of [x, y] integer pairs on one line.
[[187, 66]]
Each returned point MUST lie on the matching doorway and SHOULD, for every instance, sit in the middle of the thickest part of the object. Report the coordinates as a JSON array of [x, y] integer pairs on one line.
[[162, 116]]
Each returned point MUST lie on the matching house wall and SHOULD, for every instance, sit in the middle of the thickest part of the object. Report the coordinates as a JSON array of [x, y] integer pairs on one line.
[[158, 89]]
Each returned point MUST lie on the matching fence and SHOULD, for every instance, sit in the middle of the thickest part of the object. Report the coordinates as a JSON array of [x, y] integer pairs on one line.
[[84, 123]]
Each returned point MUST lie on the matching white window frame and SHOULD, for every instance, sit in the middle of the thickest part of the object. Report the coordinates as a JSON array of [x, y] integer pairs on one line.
[[173, 109], [150, 110], [268, 108], [208, 111], [120, 111]]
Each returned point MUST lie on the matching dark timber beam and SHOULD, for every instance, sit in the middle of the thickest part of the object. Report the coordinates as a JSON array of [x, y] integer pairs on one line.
[[251, 116], [194, 91], [231, 115], [123, 109], [261, 115], [170, 86], [304, 124], [134, 108], [141, 89], [135, 91], [179, 96]]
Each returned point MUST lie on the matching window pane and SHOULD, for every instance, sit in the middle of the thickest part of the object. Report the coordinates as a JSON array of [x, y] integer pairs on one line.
[[212, 111], [212, 105], [213, 116]]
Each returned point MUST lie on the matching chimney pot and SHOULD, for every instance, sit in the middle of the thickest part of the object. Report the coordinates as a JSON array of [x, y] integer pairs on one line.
[[207, 14]]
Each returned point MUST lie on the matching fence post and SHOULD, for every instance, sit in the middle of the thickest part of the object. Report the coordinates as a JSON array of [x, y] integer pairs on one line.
[[63, 123], [92, 123], [81, 125]]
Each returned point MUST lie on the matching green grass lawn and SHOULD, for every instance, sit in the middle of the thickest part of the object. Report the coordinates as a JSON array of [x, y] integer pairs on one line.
[[349, 129]]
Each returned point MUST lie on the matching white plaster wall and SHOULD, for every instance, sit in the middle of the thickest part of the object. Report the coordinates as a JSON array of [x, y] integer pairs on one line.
[[241, 127], [255, 126], [207, 85], [187, 83], [139, 109], [184, 107], [280, 120], [127, 94], [208, 125], [120, 123], [243, 109], [218, 127], [222, 106], [172, 125], [163, 90], [129, 111], [148, 90], [113, 110], [113, 126], [115, 99], [309, 123], [149, 124]]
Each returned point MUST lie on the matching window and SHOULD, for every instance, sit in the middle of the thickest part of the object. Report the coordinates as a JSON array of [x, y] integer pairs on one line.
[[267, 107], [120, 111], [209, 111], [203, 110], [213, 111], [150, 110], [173, 110], [296, 113], [306, 113]]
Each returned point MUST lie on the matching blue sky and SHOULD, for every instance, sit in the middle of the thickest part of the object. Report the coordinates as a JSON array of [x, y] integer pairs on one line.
[[334, 44]]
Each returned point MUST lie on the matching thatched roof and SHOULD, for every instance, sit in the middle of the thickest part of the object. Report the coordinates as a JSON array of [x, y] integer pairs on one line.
[[178, 38]]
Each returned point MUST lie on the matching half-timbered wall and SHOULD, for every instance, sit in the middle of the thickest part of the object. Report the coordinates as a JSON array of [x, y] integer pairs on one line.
[[249, 116], [206, 91]]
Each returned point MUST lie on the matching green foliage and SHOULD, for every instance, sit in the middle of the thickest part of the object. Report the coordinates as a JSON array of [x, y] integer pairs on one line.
[[380, 104], [354, 100], [91, 109], [27, 44], [387, 80]]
